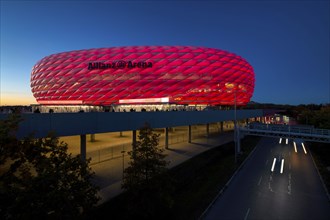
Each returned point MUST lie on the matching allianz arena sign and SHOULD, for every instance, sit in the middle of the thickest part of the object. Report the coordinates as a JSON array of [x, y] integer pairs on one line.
[[184, 75], [121, 64]]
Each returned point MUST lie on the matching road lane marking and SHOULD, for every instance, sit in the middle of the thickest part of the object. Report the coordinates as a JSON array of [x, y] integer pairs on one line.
[[247, 214], [273, 166], [270, 188], [280, 141], [259, 181], [289, 184], [286, 141], [289, 153], [270, 180], [295, 147], [282, 165], [304, 147]]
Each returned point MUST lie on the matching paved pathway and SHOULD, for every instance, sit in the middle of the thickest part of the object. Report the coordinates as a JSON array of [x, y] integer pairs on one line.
[[109, 173]]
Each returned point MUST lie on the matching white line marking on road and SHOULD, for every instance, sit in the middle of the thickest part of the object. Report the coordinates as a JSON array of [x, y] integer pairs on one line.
[[295, 147], [280, 141], [259, 181], [289, 184], [247, 214], [304, 147], [282, 165], [286, 141], [273, 166], [270, 188], [269, 183]]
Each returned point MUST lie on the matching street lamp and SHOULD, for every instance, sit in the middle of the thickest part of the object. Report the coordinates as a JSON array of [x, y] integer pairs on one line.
[[123, 153], [235, 125], [230, 87]]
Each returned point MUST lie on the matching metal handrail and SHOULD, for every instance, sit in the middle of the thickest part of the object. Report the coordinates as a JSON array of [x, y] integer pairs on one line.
[[287, 130]]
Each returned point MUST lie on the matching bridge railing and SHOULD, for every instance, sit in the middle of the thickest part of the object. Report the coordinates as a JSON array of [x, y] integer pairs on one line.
[[303, 130], [322, 131]]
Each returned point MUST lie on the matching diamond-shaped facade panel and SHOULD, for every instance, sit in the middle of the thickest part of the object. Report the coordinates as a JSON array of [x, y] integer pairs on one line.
[[143, 74]]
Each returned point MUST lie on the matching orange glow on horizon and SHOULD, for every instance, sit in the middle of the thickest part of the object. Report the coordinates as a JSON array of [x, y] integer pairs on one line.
[[16, 99]]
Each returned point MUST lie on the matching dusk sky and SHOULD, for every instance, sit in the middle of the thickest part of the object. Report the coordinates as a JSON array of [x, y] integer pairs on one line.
[[286, 42]]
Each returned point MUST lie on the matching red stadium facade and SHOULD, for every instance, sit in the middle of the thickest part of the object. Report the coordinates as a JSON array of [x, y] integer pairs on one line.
[[180, 75]]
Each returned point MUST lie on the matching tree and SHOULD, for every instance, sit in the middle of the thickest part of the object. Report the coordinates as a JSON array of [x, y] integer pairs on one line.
[[318, 118], [39, 179], [146, 178], [147, 160]]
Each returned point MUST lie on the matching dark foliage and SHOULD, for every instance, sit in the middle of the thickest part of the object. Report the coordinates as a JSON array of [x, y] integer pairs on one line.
[[146, 179], [194, 184], [318, 118], [39, 179]]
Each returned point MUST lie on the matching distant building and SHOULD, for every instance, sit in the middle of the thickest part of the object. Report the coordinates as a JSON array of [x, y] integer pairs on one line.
[[133, 76]]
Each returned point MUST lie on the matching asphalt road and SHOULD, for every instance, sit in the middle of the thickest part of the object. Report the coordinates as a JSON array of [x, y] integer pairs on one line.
[[258, 193]]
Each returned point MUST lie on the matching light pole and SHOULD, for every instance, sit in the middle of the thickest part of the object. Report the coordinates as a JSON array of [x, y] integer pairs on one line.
[[230, 87], [235, 126], [123, 152]]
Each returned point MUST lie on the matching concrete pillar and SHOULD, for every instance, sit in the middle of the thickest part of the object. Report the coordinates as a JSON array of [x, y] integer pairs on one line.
[[189, 133], [207, 130], [221, 126], [92, 137], [166, 138], [173, 129], [83, 147], [134, 139]]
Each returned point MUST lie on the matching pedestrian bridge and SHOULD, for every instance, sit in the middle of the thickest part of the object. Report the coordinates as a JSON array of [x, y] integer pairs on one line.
[[306, 133], [69, 124]]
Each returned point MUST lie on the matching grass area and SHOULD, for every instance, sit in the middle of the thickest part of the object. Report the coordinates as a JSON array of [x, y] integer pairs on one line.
[[196, 183], [321, 155]]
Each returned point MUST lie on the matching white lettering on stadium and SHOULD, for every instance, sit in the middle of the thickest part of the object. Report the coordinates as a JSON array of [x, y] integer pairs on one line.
[[119, 65]]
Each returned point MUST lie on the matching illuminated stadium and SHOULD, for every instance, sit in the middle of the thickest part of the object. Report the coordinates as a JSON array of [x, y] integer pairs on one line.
[[143, 75]]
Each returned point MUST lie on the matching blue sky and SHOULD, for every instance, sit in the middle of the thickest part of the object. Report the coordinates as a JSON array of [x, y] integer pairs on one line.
[[286, 42]]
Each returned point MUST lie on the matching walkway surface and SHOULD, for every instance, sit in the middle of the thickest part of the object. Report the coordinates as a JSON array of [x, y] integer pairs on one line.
[[109, 173]]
